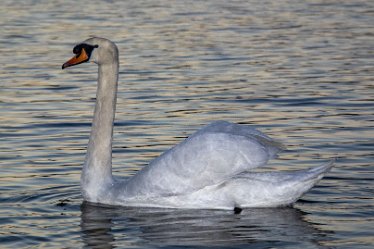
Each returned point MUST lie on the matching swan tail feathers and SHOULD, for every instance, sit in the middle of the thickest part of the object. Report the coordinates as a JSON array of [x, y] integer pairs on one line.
[[324, 168], [307, 179], [270, 189]]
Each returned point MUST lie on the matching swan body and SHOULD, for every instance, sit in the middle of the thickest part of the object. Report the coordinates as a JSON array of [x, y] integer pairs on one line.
[[213, 168]]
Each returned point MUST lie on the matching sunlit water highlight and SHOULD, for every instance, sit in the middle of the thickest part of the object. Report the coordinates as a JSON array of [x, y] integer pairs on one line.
[[301, 71]]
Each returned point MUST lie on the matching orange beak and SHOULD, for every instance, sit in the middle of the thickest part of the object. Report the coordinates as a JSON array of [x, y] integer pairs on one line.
[[78, 59]]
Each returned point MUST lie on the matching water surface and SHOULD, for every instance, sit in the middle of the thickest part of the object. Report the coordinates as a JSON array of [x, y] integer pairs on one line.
[[301, 71]]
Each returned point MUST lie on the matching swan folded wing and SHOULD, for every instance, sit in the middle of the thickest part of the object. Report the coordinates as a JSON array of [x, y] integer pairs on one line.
[[210, 156]]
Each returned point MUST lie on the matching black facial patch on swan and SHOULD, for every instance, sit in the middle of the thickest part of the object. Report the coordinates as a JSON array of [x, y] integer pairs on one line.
[[88, 48]]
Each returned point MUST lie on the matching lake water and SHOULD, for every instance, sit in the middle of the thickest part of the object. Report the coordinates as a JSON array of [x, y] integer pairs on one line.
[[301, 71]]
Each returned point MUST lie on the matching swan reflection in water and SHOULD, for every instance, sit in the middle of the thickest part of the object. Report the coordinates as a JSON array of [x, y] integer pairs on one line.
[[109, 227]]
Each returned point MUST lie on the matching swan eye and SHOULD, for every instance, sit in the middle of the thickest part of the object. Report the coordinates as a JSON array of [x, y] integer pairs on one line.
[[78, 49]]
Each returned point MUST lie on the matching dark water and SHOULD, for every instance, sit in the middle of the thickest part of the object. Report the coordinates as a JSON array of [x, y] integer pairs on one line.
[[302, 71]]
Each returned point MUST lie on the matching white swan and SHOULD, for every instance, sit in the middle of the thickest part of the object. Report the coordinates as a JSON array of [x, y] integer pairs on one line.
[[210, 169]]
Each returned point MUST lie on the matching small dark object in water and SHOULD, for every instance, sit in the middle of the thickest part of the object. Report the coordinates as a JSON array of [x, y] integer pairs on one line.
[[237, 210], [62, 203]]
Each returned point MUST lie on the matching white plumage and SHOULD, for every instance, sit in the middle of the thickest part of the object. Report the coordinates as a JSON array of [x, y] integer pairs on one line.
[[213, 168]]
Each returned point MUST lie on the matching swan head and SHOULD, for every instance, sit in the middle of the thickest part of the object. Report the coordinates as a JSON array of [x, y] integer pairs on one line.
[[97, 50]]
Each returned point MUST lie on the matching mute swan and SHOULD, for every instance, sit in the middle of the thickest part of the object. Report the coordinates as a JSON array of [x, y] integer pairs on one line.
[[211, 169]]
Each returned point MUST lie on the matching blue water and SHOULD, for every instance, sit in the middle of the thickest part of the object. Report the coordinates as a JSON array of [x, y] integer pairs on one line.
[[301, 71]]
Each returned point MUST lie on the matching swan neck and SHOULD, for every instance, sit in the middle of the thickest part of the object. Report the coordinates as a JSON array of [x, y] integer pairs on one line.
[[97, 170]]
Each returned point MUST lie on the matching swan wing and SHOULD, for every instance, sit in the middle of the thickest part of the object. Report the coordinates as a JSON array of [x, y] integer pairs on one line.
[[245, 190], [210, 156]]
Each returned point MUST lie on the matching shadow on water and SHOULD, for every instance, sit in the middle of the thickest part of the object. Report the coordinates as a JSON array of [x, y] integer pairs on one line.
[[109, 227]]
